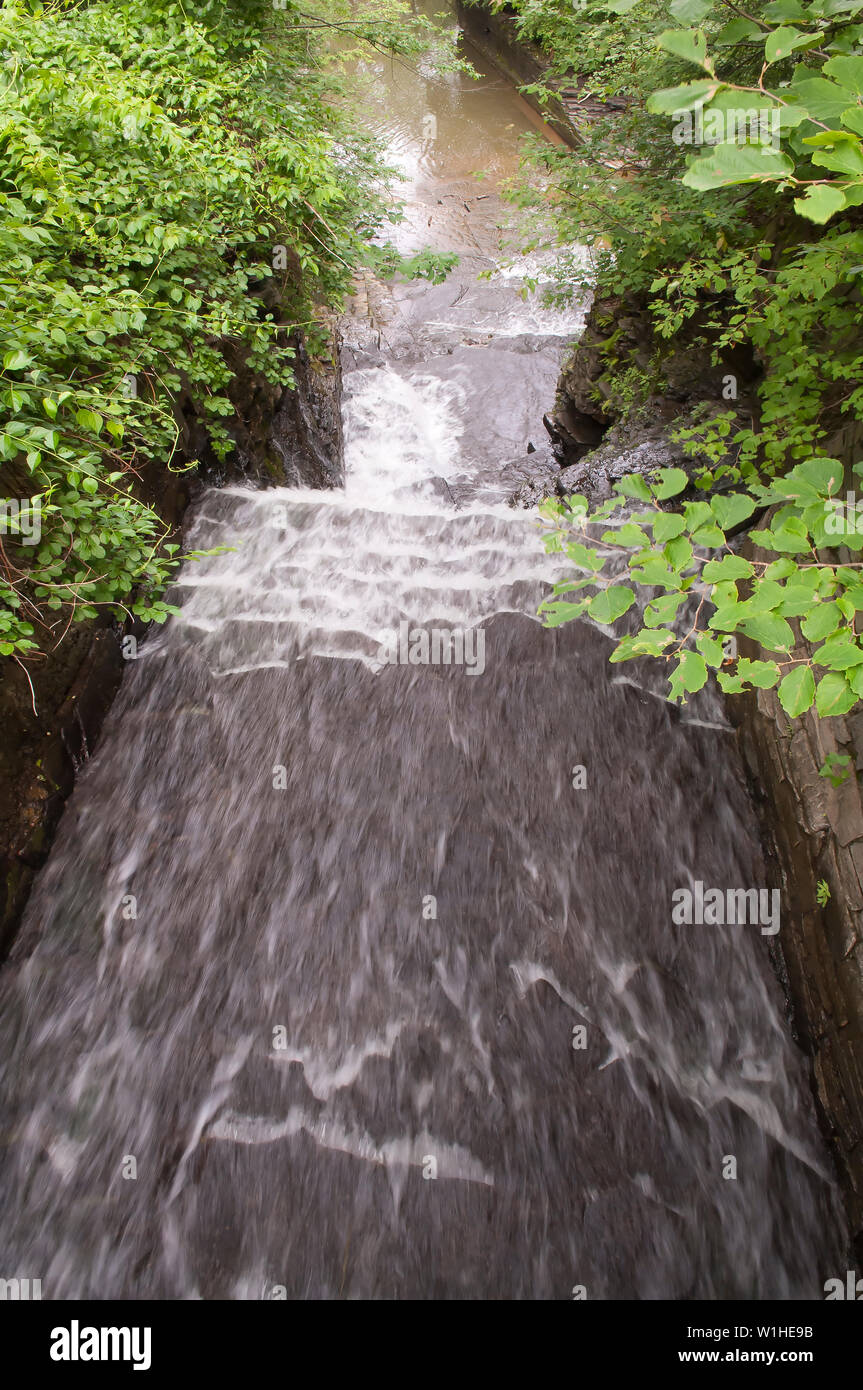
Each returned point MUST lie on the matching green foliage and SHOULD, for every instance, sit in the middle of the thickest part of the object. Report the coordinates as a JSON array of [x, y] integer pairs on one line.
[[686, 554], [179, 194], [433, 266], [837, 767], [817, 110], [737, 227]]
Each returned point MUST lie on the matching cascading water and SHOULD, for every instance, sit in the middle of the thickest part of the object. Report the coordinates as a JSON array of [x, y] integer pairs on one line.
[[337, 980]]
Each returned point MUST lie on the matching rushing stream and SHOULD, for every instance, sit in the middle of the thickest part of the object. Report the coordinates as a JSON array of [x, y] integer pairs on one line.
[[338, 981]]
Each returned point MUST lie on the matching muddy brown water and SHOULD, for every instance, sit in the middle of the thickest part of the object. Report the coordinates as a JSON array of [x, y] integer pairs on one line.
[[337, 956]]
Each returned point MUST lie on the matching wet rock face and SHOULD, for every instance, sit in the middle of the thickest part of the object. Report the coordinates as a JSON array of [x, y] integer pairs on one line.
[[285, 437], [540, 474], [533, 477], [593, 443], [619, 331], [306, 431], [814, 833], [73, 689]]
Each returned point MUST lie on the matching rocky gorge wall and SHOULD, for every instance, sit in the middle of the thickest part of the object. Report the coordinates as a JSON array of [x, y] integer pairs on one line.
[[494, 33], [284, 436], [814, 830]]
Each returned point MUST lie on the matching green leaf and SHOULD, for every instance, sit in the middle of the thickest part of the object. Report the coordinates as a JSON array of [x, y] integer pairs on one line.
[[653, 569], [663, 609], [708, 536], [667, 525], [837, 767], [697, 514], [770, 631], [797, 691], [690, 11], [689, 675], [689, 44], [824, 100], [848, 72], [731, 507], [824, 619], [790, 537], [767, 595], [780, 11], [629, 535], [732, 685], [819, 476], [839, 652], [841, 155], [783, 41], [834, 695], [764, 674], [583, 558], [780, 569], [609, 605], [671, 482], [670, 100], [678, 552], [633, 485], [853, 119], [16, 360], [648, 642], [554, 613], [854, 595], [728, 164], [797, 599], [738, 31], [89, 420], [565, 586], [711, 649], [575, 510], [729, 567]]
